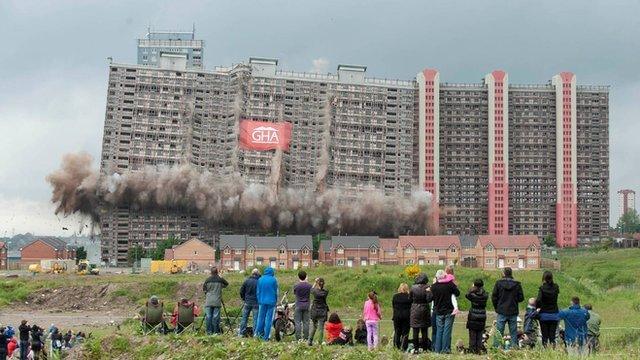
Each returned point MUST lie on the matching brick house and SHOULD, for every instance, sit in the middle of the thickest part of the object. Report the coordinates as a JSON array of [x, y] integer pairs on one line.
[[45, 248], [515, 251], [388, 252], [324, 252], [3, 256], [352, 251], [429, 250], [238, 252], [198, 254]]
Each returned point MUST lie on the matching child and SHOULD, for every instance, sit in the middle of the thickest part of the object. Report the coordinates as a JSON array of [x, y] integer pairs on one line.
[[449, 278], [371, 314], [361, 332], [345, 337], [333, 327], [530, 326]]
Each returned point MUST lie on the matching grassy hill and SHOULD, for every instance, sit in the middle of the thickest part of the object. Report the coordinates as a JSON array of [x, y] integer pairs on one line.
[[607, 279]]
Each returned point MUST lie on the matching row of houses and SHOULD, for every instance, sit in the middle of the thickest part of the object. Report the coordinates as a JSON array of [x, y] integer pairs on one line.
[[483, 251], [42, 248]]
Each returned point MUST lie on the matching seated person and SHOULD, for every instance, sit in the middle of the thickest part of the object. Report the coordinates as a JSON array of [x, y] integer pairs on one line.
[[184, 302], [361, 332], [333, 327], [151, 309]]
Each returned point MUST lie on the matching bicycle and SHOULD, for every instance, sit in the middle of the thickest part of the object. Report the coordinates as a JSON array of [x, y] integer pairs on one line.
[[283, 323]]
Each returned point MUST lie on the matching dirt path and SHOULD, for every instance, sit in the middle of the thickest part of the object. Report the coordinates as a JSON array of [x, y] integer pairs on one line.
[[63, 320]]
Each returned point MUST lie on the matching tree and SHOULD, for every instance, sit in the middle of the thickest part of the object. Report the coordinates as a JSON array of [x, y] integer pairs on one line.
[[158, 252], [629, 222], [134, 254], [81, 253], [549, 240]]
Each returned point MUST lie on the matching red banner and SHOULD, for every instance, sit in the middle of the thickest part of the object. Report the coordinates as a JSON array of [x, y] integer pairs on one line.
[[261, 136]]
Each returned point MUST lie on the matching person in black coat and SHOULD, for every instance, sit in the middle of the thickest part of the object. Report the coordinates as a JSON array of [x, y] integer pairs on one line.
[[4, 340], [420, 316], [401, 316], [547, 304], [506, 295], [477, 318]]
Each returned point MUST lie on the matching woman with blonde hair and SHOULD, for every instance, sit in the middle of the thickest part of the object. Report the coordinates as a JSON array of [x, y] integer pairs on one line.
[[401, 315]]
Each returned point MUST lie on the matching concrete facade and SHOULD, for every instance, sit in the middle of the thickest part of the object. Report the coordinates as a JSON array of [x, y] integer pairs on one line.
[[491, 153]]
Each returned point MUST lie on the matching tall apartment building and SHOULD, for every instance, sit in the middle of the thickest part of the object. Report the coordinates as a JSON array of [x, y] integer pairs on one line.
[[499, 158], [170, 49], [627, 201]]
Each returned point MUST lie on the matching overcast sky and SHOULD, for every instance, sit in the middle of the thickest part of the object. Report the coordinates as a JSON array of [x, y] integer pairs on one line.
[[53, 67]]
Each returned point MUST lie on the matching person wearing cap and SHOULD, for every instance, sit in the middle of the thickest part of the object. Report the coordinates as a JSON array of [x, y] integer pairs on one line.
[[250, 300]]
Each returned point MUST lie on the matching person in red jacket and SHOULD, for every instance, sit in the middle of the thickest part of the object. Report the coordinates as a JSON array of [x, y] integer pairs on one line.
[[333, 327], [11, 346]]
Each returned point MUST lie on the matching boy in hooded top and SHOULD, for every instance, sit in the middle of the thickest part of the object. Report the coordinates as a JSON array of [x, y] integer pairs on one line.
[[267, 293]]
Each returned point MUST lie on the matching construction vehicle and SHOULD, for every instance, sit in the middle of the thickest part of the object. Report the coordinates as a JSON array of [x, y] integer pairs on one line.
[[35, 268], [59, 268], [175, 269], [86, 268]]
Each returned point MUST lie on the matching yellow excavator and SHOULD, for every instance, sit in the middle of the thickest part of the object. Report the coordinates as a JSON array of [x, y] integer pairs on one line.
[[86, 268]]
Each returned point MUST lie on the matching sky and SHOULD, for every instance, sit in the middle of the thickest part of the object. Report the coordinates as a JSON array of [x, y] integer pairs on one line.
[[53, 65]]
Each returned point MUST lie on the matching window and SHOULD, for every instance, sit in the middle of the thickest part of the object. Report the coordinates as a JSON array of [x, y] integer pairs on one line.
[[441, 262], [489, 261], [453, 250], [294, 252], [282, 265], [408, 262], [436, 250], [282, 251], [305, 264], [532, 261], [340, 262], [227, 263], [489, 248], [249, 263], [425, 251], [259, 262], [340, 250], [532, 248], [238, 251], [421, 262], [408, 250], [373, 262], [505, 250], [305, 252], [250, 250], [227, 251], [363, 262], [373, 250], [516, 250]]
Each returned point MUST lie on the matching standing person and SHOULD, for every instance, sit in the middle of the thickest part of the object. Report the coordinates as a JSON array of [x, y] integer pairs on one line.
[[37, 340], [23, 330], [477, 318], [420, 316], [575, 327], [547, 304], [371, 313], [56, 344], [212, 287], [319, 309], [267, 293], [401, 303], [506, 295], [250, 300], [593, 330], [4, 341], [443, 308], [302, 290]]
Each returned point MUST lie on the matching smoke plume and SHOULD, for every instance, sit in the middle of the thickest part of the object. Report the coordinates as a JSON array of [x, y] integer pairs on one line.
[[229, 201]]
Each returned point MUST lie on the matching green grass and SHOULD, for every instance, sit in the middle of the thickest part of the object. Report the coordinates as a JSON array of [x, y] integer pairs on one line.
[[607, 279]]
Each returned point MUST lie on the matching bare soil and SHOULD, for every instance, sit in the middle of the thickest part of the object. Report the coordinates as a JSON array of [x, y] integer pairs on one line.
[[76, 298]]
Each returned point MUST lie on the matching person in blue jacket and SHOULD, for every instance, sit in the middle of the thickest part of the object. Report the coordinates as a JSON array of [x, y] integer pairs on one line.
[[250, 299], [575, 326], [267, 293]]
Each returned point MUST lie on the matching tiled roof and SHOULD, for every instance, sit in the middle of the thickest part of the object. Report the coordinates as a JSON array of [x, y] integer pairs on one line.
[[267, 242], [468, 241], [429, 242], [355, 242], [192, 240], [325, 245], [52, 241], [509, 241], [297, 242], [389, 244], [232, 241]]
